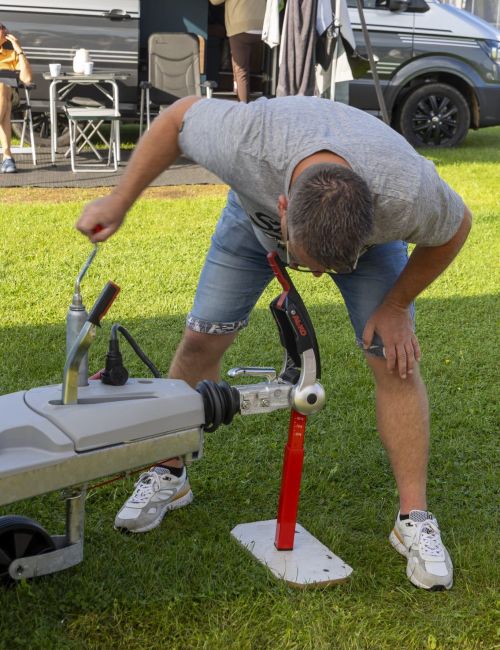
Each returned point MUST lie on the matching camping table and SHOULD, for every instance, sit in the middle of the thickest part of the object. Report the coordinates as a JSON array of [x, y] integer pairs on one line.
[[72, 79]]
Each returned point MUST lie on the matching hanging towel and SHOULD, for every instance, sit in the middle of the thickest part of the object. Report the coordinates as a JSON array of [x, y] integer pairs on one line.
[[296, 72], [271, 29]]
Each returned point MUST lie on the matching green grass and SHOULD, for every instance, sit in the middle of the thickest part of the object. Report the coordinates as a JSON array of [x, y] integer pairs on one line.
[[186, 584]]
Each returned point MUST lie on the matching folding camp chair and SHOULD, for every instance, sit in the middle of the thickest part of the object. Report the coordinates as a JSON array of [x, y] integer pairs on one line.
[[22, 114], [174, 72]]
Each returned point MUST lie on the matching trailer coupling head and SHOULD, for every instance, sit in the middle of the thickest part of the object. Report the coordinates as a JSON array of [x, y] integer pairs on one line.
[[296, 387]]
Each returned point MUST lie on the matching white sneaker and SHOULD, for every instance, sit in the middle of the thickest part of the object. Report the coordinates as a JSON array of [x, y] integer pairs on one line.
[[156, 492], [419, 539]]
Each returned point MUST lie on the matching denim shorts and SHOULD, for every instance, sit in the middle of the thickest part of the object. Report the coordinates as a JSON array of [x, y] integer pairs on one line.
[[236, 272]]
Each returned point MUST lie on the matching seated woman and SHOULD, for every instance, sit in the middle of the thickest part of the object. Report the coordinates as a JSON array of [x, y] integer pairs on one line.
[[12, 57]]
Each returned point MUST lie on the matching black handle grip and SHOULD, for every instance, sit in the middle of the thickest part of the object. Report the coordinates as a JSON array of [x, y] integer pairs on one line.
[[294, 325], [103, 303]]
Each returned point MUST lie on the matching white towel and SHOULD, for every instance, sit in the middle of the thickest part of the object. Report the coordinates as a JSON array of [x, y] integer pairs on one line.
[[271, 29]]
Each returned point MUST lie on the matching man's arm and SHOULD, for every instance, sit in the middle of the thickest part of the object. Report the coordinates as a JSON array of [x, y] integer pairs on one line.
[[156, 151], [26, 73], [392, 320]]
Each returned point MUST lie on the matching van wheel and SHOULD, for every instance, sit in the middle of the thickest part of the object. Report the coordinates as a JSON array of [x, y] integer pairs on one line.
[[434, 115], [41, 127]]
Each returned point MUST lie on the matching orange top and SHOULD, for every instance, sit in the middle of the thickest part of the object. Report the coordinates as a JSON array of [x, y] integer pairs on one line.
[[9, 60]]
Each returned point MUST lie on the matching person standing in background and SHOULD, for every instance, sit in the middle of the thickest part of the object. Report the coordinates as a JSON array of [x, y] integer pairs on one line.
[[244, 20]]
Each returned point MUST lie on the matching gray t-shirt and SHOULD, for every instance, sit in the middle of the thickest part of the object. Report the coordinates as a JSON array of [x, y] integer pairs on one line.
[[255, 147]]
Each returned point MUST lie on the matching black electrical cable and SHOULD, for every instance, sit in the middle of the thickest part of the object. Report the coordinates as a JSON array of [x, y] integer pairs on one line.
[[119, 328], [221, 401]]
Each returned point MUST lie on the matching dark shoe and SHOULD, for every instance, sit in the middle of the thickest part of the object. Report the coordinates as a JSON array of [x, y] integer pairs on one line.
[[9, 166]]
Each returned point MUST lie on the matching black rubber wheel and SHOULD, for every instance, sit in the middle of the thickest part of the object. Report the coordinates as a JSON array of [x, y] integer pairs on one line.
[[21, 537], [434, 115], [41, 127]]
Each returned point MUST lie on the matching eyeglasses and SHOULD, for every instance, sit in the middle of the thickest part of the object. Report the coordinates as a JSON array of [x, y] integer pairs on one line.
[[3, 27], [343, 270]]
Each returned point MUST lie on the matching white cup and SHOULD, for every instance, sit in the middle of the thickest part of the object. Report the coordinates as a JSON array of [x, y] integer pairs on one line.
[[88, 67], [55, 69]]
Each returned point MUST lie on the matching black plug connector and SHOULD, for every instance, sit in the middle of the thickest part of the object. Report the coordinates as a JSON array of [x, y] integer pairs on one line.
[[115, 372]]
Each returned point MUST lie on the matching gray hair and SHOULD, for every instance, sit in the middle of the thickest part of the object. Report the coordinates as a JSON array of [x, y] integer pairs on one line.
[[330, 213]]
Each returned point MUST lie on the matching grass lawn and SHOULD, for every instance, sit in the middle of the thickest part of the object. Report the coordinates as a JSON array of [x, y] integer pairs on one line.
[[187, 584]]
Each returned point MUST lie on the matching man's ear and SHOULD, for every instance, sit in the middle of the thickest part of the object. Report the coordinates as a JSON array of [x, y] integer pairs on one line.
[[282, 207]]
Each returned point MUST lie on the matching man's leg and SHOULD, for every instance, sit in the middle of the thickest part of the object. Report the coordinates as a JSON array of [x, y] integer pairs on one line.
[[403, 426], [235, 274], [5, 126], [403, 422], [198, 357]]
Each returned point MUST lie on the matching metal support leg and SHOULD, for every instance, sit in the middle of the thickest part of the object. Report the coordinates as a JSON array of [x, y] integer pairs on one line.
[[116, 125], [23, 132], [69, 547], [290, 483], [111, 147], [53, 122], [72, 144], [304, 562], [148, 108], [32, 136], [141, 121], [75, 513]]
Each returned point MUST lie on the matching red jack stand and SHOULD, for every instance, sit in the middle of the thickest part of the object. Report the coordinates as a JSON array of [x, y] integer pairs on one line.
[[302, 561]]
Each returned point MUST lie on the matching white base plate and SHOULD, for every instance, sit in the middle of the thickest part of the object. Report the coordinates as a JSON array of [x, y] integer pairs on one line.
[[309, 564]]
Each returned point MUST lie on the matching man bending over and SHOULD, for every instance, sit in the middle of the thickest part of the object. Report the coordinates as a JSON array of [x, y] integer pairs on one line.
[[332, 190]]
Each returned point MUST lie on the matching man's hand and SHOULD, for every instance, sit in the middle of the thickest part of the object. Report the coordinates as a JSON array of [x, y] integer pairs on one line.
[[15, 43], [394, 325], [108, 212]]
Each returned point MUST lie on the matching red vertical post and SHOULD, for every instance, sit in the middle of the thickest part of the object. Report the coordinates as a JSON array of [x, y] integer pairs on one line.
[[290, 483]]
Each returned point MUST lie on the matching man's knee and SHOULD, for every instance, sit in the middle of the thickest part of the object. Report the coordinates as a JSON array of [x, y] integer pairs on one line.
[[207, 346], [392, 381]]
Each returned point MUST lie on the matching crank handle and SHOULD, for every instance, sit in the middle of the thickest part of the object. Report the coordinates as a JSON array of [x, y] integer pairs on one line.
[[98, 228], [243, 371]]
